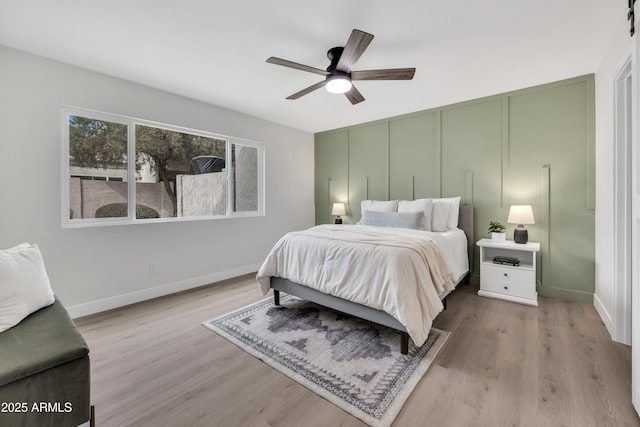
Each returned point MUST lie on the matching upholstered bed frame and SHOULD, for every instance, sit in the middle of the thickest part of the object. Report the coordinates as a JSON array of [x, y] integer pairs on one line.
[[278, 284]]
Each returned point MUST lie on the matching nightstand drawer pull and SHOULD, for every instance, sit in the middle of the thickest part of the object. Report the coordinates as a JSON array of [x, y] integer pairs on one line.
[[506, 287], [505, 275]]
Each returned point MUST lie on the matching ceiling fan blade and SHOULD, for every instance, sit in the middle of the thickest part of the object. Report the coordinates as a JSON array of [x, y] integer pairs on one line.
[[291, 64], [388, 74], [354, 95], [310, 89], [355, 47]]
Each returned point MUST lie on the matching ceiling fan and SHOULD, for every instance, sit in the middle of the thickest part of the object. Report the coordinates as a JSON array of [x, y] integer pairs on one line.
[[339, 74]]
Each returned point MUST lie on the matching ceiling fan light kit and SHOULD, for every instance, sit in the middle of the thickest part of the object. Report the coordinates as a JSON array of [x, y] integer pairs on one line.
[[339, 74], [338, 83]]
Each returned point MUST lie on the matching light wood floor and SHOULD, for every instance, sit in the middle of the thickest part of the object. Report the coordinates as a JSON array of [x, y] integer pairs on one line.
[[505, 364]]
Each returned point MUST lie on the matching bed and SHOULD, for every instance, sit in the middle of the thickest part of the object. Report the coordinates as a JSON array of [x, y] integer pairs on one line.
[[396, 277]]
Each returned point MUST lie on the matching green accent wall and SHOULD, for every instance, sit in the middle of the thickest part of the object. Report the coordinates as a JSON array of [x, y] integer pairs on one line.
[[331, 180], [368, 164], [532, 146], [414, 160]]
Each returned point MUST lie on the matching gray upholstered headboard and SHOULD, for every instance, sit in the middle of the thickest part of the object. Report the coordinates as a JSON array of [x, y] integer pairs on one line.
[[465, 222]]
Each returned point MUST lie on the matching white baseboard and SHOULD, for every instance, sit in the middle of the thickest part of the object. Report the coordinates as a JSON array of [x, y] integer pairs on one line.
[[604, 314], [635, 399], [110, 303]]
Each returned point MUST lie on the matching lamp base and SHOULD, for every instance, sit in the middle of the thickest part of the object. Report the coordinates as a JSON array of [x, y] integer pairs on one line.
[[520, 235], [338, 220]]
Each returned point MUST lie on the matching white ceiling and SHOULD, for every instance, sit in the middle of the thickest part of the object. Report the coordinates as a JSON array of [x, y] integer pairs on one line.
[[215, 51]]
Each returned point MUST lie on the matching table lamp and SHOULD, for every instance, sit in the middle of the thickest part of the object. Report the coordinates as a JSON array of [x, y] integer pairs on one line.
[[338, 209], [520, 214]]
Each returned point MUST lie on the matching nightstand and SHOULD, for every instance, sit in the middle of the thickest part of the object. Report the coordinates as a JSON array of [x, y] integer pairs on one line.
[[507, 282]]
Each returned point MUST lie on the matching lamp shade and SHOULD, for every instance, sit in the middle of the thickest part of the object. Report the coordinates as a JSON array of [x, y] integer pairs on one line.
[[521, 214], [338, 209]]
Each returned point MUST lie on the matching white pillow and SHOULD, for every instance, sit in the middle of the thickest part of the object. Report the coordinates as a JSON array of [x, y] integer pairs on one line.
[[440, 215], [414, 220], [379, 206], [418, 205], [454, 210], [24, 284]]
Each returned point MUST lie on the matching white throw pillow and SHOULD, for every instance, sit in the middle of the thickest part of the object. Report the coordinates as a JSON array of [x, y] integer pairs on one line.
[[440, 215], [454, 210], [24, 284], [418, 205], [379, 206]]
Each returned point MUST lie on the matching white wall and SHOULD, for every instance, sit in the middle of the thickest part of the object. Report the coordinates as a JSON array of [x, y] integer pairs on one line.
[[618, 51], [93, 269]]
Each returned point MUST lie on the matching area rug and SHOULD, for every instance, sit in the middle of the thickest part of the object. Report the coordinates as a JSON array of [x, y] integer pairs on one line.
[[353, 363]]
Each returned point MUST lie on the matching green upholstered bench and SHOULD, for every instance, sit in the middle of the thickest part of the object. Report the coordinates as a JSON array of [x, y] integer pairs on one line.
[[44, 371]]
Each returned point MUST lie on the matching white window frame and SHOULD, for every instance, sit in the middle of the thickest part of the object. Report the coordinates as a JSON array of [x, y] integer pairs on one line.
[[131, 122]]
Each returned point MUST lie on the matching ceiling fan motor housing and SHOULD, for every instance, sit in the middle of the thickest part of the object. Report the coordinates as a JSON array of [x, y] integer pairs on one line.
[[334, 55], [337, 81]]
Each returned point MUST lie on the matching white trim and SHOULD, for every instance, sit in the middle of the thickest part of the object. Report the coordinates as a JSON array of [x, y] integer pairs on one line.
[[635, 244], [622, 94], [131, 174], [605, 316], [230, 171], [117, 301]]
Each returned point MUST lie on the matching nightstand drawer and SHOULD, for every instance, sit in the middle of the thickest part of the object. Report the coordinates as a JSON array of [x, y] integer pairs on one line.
[[508, 280]]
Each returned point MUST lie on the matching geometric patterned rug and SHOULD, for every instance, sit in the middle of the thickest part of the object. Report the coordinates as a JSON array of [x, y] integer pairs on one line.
[[353, 363]]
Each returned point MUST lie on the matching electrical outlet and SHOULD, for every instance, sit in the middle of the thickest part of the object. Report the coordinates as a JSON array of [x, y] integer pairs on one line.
[[153, 267]]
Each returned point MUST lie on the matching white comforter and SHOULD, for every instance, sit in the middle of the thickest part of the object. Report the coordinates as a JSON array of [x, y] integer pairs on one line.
[[398, 271]]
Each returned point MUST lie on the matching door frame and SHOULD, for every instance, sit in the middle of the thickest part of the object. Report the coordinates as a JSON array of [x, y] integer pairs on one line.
[[622, 206], [635, 225]]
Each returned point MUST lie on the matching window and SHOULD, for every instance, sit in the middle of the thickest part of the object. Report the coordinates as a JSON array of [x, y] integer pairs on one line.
[[123, 170]]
